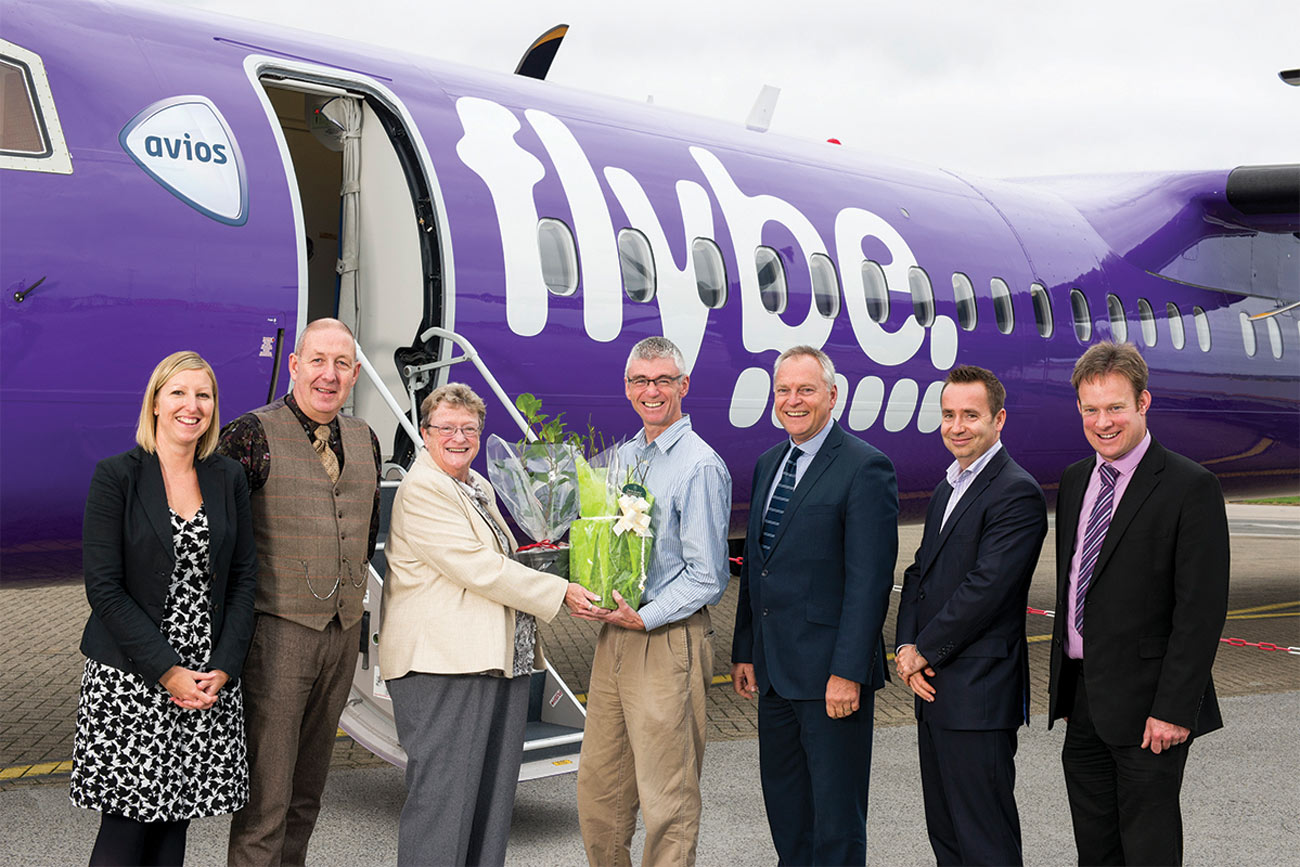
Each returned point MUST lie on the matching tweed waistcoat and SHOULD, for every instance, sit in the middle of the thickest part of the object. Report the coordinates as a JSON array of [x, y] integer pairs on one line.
[[311, 533]]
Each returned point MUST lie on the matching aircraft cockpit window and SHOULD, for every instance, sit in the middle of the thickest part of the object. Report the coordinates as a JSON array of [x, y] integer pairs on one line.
[[1274, 336], [1082, 316], [1248, 335], [1176, 334], [825, 285], [771, 279], [31, 137], [710, 272], [1003, 312], [918, 282], [1202, 328], [1147, 318], [964, 293], [559, 256], [1042, 309], [1118, 324], [637, 264], [876, 288]]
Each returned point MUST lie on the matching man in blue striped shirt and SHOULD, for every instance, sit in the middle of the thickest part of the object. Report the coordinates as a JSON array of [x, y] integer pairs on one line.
[[644, 741]]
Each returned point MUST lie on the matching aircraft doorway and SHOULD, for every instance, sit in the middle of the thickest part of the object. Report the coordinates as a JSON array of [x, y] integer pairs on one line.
[[370, 260]]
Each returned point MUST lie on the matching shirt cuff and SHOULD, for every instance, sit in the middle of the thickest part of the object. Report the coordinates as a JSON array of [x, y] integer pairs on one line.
[[652, 616]]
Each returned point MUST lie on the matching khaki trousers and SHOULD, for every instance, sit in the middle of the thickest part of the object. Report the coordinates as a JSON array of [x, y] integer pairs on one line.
[[296, 681], [644, 742]]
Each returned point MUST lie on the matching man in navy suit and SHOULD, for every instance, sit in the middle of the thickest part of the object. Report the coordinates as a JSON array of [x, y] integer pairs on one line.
[[961, 628], [814, 589]]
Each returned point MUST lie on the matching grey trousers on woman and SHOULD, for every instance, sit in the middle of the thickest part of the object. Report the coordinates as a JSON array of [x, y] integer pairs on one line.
[[464, 742]]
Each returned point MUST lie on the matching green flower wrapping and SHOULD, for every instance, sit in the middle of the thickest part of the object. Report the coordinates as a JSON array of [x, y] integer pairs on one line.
[[610, 544]]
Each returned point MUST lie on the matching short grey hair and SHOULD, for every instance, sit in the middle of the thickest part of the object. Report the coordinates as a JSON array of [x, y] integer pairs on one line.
[[652, 348], [828, 366], [453, 394]]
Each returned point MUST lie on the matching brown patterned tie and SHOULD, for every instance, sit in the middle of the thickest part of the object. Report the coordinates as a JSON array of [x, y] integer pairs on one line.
[[328, 459]]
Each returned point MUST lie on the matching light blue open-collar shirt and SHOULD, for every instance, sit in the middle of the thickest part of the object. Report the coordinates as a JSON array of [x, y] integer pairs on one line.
[[690, 517]]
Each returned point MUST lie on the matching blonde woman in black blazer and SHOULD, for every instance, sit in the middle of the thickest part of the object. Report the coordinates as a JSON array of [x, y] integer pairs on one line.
[[170, 569]]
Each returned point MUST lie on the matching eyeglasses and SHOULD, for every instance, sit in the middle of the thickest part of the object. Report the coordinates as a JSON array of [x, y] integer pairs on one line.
[[448, 431], [639, 382]]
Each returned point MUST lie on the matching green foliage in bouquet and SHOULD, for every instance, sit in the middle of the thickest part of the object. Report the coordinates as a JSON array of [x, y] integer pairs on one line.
[[599, 558]]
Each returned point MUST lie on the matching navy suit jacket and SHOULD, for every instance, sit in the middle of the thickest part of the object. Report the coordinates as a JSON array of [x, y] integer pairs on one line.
[[1157, 602], [964, 596], [816, 605], [128, 561]]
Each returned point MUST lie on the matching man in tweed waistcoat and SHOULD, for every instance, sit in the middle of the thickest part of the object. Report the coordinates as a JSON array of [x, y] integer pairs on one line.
[[314, 478]]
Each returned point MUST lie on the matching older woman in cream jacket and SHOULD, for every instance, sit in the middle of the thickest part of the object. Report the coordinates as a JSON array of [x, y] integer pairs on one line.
[[459, 642]]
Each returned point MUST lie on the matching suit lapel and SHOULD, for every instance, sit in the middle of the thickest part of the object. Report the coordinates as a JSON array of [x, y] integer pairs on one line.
[[1074, 483], [153, 499], [211, 485], [764, 478], [934, 514], [820, 463], [1145, 478]]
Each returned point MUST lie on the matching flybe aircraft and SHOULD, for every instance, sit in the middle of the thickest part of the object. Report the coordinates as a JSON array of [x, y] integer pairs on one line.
[[172, 180]]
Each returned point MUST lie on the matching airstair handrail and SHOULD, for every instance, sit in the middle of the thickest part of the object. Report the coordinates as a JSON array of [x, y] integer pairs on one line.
[[387, 395], [471, 354]]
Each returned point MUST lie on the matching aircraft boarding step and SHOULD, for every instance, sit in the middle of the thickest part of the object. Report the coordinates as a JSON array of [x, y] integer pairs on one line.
[[556, 719]]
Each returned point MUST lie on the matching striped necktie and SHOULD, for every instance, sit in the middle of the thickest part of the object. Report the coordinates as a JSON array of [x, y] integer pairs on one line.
[[780, 499], [1098, 523]]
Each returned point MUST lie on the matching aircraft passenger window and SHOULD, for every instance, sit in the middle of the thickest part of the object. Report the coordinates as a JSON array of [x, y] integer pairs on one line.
[[1118, 324], [1147, 317], [559, 256], [1274, 336], [964, 292], [918, 282], [1202, 328], [1176, 325], [710, 272], [1082, 316], [1002, 309], [1042, 309], [637, 264], [1248, 335], [20, 127], [825, 285], [876, 289], [772, 289]]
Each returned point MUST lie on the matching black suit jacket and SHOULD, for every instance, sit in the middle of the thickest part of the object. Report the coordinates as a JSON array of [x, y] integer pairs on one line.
[[816, 606], [963, 602], [1157, 602], [128, 561]]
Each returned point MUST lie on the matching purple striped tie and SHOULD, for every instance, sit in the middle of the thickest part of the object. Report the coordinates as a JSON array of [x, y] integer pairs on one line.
[[1098, 523]]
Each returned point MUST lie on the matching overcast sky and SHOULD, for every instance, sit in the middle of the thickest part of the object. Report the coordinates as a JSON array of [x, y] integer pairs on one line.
[[998, 88]]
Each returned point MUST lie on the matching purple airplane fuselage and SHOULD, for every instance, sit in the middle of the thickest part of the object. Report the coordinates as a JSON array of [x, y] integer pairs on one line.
[[180, 226]]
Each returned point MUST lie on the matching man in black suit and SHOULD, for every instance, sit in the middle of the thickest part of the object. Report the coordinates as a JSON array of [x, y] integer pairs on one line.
[[814, 589], [961, 628], [1142, 544]]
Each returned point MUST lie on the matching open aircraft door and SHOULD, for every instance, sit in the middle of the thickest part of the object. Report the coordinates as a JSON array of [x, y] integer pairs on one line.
[[363, 199]]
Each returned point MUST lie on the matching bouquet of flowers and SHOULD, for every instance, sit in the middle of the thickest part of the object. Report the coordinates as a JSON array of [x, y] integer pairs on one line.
[[538, 482], [610, 543]]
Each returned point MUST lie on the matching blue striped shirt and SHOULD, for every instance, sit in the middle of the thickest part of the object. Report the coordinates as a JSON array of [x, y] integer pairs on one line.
[[692, 508]]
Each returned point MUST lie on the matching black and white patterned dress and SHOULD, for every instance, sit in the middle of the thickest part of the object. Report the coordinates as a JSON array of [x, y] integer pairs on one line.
[[136, 754]]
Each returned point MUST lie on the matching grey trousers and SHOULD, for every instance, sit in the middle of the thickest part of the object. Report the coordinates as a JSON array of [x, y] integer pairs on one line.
[[464, 742]]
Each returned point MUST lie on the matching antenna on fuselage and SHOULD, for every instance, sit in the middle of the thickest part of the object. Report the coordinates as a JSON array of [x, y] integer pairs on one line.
[[1290, 76], [760, 116], [536, 61]]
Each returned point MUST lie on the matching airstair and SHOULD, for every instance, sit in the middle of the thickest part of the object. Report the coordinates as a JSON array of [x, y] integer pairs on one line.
[[553, 735]]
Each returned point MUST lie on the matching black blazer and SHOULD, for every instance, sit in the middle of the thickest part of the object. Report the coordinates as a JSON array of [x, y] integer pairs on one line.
[[816, 606], [128, 561], [1157, 602], [964, 596]]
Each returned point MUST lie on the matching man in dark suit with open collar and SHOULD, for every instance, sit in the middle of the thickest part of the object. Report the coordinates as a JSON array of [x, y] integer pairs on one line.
[[814, 589], [1142, 543], [961, 628]]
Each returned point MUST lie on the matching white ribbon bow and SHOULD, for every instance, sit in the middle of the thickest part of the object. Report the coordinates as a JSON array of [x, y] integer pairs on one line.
[[635, 517]]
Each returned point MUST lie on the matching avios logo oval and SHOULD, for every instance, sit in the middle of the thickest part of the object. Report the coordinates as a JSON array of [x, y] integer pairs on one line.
[[185, 144]]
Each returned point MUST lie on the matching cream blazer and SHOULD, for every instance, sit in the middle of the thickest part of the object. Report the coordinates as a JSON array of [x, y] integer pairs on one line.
[[450, 593]]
